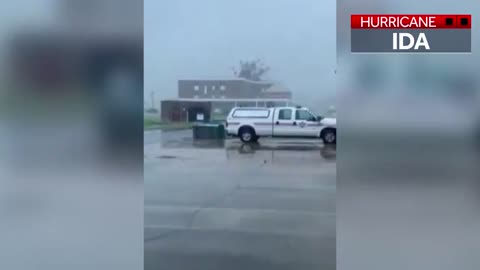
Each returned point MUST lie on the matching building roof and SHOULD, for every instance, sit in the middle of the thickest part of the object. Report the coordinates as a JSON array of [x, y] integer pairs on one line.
[[228, 79], [229, 99]]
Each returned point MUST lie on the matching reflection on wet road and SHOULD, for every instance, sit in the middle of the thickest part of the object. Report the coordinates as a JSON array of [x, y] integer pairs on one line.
[[228, 205]]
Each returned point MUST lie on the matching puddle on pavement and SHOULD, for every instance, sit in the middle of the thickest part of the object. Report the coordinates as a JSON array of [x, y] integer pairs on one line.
[[268, 153], [234, 147], [166, 157]]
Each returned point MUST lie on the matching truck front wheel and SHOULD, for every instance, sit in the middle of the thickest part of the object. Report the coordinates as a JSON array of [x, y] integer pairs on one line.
[[329, 136], [247, 134]]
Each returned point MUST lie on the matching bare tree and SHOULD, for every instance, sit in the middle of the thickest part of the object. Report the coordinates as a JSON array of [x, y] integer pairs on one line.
[[251, 70]]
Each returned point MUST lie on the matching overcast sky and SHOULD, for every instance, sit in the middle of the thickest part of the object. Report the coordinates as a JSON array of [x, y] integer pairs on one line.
[[196, 39]]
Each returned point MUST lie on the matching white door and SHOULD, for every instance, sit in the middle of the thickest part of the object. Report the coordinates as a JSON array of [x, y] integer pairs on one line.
[[306, 125], [283, 124]]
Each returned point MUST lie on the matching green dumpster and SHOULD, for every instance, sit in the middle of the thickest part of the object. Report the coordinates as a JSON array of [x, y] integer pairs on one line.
[[208, 131]]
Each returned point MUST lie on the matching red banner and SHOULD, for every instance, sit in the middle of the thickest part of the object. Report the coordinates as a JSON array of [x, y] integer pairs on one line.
[[393, 21]]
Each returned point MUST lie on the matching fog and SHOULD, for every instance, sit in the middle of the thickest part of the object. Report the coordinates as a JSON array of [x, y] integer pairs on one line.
[[204, 39]]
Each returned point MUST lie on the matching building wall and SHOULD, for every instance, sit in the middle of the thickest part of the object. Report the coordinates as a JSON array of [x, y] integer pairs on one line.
[[282, 94], [239, 92], [221, 89], [176, 111]]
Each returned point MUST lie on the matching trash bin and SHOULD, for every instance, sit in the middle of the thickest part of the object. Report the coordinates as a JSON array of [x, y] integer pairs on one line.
[[208, 131]]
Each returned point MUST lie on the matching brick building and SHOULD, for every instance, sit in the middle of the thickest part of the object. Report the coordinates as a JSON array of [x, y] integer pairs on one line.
[[212, 99]]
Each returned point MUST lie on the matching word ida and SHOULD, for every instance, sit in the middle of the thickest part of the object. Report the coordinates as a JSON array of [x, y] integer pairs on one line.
[[407, 41]]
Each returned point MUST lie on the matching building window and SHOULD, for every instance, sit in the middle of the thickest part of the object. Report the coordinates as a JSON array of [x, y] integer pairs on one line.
[[213, 87], [196, 88], [196, 96], [222, 87], [223, 97], [205, 90]]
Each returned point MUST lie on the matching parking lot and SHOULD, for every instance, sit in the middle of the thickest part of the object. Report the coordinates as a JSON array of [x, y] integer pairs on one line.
[[227, 205]]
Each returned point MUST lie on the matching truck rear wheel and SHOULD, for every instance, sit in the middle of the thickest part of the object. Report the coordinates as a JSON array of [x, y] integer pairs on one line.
[[247, 134], [329, 136]]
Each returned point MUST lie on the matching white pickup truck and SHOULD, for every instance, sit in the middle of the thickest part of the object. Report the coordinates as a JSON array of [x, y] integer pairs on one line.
[[252, 123]]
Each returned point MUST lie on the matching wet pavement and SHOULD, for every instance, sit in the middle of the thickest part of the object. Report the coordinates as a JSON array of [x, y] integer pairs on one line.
[[228, 205]]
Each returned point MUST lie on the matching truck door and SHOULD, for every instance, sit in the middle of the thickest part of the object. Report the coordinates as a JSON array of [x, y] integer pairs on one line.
[[306, 125], [283, 122]]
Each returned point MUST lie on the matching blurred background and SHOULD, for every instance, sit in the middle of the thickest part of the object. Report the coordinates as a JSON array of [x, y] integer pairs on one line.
[[71, 159], [407, 181]]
